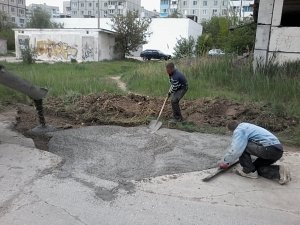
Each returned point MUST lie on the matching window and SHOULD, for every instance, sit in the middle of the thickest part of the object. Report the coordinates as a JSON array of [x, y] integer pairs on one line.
[[194, 2], [204, 12], [214, 11], [22, 20], [74, 12], [224, 3], [111, 11], [13, 19], [184, 2], [81, 4], [105, 4], [82, 12], [224, 12], [12, 9], [90, 4], [97, 4], [204, 3], [12, 1], [89, 12], [215, 2], [290, 14]]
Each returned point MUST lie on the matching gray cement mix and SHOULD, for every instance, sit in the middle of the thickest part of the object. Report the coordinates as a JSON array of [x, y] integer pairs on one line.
[[122, 154]]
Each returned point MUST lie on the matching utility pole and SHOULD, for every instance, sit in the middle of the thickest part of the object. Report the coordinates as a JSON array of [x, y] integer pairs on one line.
[[98, 14]]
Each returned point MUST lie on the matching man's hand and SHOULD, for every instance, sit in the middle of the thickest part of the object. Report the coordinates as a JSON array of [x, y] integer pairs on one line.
[[223, 165]]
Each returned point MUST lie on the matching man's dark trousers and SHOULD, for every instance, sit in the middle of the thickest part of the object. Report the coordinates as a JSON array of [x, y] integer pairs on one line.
[[265, 157], [176, 96]]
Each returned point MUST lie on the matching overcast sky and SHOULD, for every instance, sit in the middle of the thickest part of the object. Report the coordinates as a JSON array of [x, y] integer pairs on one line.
[[148, 4]]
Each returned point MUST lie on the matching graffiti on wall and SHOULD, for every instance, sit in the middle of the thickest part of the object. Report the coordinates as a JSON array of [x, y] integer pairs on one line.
[[23, 41], [88, 48], [56, 50]]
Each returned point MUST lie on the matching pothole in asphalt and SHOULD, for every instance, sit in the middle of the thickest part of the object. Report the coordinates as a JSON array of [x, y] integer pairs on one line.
[[117, 153]]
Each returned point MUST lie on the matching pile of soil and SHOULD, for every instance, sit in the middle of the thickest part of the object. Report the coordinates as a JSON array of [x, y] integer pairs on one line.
[[133, 110]]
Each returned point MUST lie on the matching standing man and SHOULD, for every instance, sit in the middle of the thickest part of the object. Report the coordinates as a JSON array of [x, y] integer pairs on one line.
[[251, 140], [177, 90]]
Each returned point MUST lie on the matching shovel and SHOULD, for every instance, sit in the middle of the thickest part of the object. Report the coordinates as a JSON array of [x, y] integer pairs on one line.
[[156, 124]]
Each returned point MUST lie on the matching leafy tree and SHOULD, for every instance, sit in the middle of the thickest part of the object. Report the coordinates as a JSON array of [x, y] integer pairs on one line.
[[204, 43], [217, 33], [131, 32], [185, 47], [41, 19], [6, 31], [175, 14]]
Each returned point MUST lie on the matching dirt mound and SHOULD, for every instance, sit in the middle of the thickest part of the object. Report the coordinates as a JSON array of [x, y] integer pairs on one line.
[[132, 110]]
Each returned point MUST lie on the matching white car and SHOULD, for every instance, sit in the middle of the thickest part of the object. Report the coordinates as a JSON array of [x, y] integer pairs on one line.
[[216, 52]]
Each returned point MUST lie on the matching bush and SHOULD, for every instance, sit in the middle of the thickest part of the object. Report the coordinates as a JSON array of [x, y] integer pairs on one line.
[[28, 55], [185, 47]]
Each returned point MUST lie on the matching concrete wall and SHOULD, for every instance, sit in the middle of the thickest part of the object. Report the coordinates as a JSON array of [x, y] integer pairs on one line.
[[166, 33], [63, 45], [275, 43], [3, 47]]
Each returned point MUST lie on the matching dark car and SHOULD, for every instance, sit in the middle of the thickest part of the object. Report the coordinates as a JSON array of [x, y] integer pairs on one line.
[[154, 54]]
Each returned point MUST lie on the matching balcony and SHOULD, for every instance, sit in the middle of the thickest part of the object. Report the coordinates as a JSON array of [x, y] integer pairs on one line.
[[111, 7]]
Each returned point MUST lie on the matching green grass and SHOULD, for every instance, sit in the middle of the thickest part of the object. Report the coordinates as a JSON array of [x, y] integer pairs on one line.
[[277, 86], [66, 78]]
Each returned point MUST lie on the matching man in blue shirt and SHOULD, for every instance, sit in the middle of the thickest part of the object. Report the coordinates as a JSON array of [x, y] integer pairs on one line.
[[178, 89], [251, 140]]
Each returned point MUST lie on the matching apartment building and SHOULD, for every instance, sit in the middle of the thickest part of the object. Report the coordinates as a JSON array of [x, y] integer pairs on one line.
[[102, 8], [15, 9], [200, 10], [53, 11], [241, 8], [66, 9]]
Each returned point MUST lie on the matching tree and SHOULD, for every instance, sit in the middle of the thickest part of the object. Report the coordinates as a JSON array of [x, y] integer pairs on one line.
[[6, 31], [41, 19], [185, 47], [217, 33], [131, 32], [175, 14]]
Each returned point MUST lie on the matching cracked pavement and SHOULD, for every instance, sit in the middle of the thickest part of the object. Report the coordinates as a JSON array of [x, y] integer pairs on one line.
[[39, 187]]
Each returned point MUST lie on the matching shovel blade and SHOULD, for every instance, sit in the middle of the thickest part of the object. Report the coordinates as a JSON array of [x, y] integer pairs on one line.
[[154, 125]]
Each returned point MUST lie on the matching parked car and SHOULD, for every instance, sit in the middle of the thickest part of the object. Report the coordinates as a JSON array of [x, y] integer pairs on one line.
[[216, 52], [154, 54]]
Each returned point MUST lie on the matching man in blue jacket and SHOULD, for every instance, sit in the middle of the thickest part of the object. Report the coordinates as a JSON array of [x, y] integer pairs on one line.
[[251, 140], [177, 90]]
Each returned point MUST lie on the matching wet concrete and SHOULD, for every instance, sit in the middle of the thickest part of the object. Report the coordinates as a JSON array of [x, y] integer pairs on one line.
[[36, 189], [118, 153]]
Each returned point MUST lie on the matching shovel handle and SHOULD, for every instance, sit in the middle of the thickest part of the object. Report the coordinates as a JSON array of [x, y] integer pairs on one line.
[[162, 108]]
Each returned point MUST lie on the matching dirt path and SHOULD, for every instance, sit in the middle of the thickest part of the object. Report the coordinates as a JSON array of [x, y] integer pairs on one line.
[[120, 83]]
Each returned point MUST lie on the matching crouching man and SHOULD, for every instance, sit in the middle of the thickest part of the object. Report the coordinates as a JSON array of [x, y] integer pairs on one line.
[[251, 140]]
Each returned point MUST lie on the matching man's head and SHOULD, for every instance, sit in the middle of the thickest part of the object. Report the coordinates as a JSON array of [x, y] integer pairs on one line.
[[231, 125], [170, 67]]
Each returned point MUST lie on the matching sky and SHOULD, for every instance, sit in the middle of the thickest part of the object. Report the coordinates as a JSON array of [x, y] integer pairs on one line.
[[148, 4]]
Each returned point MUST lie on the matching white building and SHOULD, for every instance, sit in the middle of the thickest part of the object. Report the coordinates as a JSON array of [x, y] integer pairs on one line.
[[165, 31], [16, 11], [64, 45], [199, 10], [242, 9], [278, 32], [102, 8], [53, 11]]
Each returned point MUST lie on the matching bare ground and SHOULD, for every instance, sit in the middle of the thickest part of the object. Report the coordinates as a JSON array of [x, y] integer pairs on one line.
[[134, 110]]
